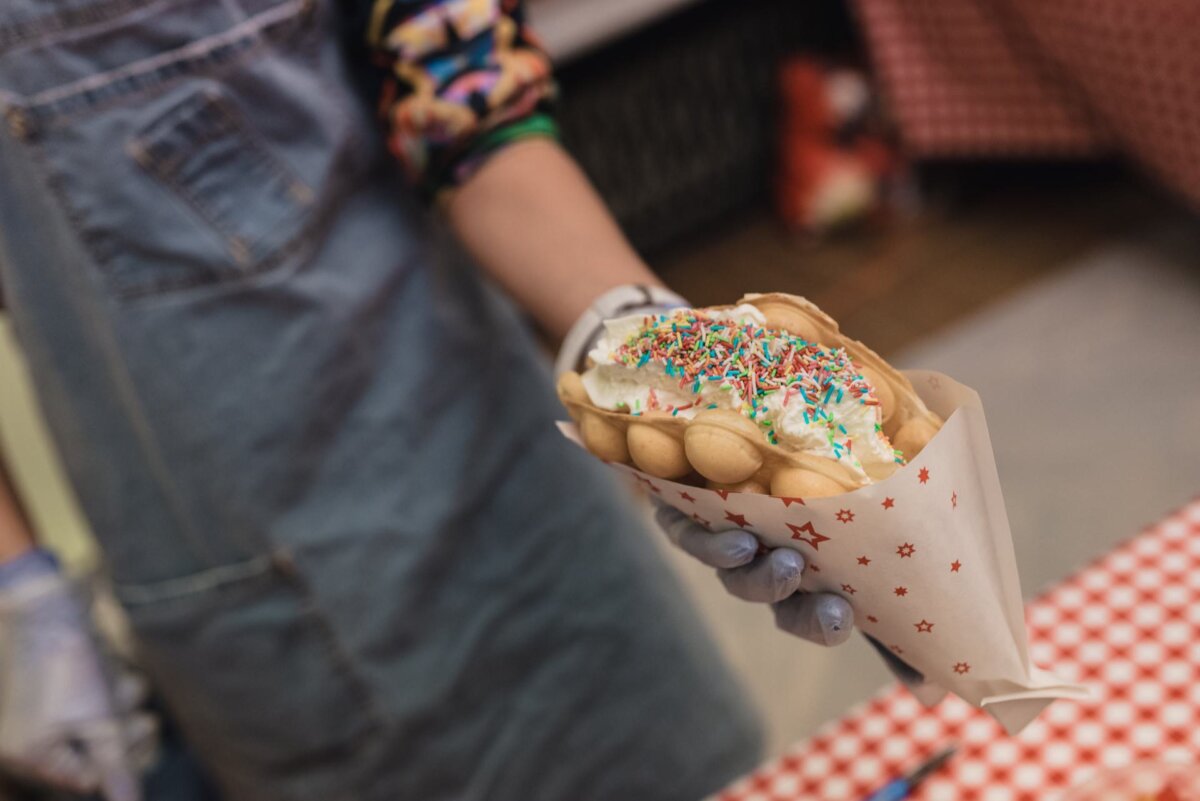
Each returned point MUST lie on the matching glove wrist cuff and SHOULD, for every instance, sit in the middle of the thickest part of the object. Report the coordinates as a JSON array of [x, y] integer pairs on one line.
[[28, 566], [29, 581], [618, 302]]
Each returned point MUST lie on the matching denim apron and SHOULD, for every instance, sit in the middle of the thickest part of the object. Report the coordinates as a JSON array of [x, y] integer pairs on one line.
[[318, 452]]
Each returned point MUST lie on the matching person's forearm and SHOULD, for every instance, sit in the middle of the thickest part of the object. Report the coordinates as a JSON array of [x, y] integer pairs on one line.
[[533, 221], [16, 536]]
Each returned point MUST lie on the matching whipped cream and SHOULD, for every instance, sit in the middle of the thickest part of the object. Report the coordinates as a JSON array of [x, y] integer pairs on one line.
[[803, 396]]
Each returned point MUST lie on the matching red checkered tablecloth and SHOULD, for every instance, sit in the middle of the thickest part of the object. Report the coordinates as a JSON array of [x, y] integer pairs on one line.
[[1128, 627]]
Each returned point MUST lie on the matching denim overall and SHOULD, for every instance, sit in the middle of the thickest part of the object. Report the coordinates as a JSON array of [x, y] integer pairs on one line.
[[359, 561]]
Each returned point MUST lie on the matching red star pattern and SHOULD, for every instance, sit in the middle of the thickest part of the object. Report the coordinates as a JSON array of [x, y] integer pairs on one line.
[[813, 567], [723, 493], [701, 520], [901, 591], [923, 476], [790, 501], [738, 520], [954, 500], [955, 565], [864, 561], [897, 649], [849, 589], [872, 619], [962, 667], [906, 550], [845, 516], [924, 627], [815, 540], [687, 497], [888, 503]]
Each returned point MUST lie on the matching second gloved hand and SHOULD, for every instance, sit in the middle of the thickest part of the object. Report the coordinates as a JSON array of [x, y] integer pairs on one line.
[[773, 577], [64, 721]]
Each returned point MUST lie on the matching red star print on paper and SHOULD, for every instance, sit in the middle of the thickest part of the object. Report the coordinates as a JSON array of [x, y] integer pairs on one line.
[[954, 500], [790, 501], [888, 503], [923, 476], [955, 565], [901, 591], [700, 520], [815, 540], [897, 649], [687, 497], [849, 589], [723, 493], [872, 618], [906, 550], [924, 627], [962, 667], [845, 516], [738, 520], [864, 561], [812, 566]]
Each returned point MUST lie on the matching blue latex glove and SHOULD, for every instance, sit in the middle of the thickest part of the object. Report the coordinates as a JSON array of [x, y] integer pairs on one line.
[[65, 720], [773, 578]]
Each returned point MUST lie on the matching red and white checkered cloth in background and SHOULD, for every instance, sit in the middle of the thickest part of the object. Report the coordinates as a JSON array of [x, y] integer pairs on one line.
[[1128, 627], [986, 78]]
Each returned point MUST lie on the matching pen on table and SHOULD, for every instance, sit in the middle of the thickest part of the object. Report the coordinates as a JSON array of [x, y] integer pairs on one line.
[[901, 788]]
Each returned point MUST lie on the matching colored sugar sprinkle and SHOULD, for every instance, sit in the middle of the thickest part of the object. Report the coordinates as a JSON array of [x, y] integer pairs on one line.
[[750, 360]]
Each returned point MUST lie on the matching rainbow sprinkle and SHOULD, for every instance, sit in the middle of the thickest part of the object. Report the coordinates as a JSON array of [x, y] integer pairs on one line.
[[752, 361]]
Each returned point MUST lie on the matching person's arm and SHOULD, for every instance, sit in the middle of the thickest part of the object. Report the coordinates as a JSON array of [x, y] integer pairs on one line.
[[532, 220], [465, 97], [16, 537]]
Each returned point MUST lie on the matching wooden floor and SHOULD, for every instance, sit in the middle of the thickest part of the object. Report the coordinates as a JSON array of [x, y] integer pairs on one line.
[[888, 286]]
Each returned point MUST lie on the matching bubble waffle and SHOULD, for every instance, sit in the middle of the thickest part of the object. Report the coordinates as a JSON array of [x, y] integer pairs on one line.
[[906, 420], [749, 449]]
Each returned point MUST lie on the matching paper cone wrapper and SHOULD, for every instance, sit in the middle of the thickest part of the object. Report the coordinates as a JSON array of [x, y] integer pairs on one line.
[[925, 557]]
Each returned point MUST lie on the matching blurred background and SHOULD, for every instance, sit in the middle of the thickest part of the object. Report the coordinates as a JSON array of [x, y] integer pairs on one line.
[[1004, 192]]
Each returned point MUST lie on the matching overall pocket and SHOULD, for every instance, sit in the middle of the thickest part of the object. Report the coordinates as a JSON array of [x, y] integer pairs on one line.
[[207, 163], [257, 680]]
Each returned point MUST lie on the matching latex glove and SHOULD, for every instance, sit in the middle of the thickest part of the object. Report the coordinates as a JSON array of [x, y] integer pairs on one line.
[[773, 577], [63, 723]]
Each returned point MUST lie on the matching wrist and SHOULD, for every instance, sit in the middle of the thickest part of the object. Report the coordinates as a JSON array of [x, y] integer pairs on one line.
[[622, 301], [14, 548]]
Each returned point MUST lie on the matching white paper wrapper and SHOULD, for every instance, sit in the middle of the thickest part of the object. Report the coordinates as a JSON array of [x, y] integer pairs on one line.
[[925, 558]]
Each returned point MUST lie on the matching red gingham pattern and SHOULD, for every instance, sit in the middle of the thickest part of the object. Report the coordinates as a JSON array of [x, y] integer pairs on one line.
[[1035, 78], [1128, 627]]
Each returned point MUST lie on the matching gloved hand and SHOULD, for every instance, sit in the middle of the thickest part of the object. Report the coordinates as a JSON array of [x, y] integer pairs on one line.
[[773, 578], [63, 722]]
